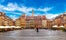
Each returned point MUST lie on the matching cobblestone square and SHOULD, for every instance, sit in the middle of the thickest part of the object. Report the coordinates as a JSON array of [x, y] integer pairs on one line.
[[31, 34]]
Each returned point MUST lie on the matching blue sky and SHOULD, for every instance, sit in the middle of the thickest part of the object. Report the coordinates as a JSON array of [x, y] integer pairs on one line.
[[15, 8]]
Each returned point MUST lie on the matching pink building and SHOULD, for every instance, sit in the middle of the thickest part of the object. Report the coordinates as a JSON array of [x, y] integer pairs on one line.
[[38, 21]]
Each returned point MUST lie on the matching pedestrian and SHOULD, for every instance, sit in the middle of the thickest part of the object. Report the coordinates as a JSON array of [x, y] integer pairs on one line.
[[37, 29]]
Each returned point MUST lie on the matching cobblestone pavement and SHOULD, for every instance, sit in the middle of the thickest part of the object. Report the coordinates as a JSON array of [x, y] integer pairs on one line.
[[31, 34]]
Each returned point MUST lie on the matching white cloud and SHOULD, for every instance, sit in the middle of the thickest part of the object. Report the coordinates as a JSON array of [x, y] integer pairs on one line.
[[45, 9], [28, 14], [11, 7], [48, 15], [14, 17], [38, 14], [1, 7], [51, 16], [25, 9], [14, 6]]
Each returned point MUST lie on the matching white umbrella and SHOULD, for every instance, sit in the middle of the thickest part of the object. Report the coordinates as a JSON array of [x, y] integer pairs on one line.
[[2, 27], [7, 27], [55, 26], [17, 27], [62, 26], [12, 26]]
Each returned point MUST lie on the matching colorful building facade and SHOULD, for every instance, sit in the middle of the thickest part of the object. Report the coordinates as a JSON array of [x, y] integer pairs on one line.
[[5, 20], [38, 21]]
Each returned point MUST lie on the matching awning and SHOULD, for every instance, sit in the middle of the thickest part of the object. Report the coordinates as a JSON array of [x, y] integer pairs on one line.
[[61, 26], [55, 26]]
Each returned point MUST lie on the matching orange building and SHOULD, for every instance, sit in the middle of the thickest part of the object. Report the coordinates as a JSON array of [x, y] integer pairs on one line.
[[60, 20], [23, 21], [5, 20]]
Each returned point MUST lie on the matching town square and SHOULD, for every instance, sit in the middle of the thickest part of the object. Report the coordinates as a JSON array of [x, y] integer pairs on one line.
[[32, 19]]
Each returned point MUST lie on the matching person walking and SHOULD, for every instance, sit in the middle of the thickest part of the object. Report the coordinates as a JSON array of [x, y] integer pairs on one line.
[[37, 29]]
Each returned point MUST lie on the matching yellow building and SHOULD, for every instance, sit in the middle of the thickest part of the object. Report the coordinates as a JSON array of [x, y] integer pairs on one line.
[[44, 23], [60, 20], [2, 18], [17, 22], [5, 20], [23, 21], [49, 23], [64, 20], [11, 23]]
